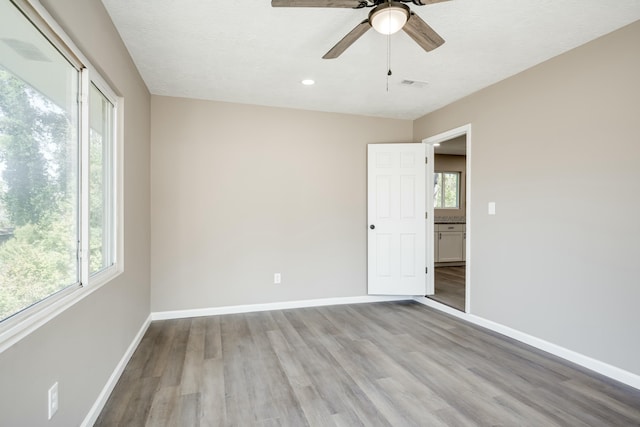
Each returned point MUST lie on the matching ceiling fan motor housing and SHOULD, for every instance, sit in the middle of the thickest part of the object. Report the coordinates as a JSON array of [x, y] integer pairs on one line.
[[389, 17]]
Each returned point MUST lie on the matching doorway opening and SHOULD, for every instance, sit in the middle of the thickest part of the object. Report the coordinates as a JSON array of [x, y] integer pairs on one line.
[[448, 213]]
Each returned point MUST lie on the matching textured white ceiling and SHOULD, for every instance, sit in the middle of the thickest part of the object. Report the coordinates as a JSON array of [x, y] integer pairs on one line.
[[248, 52]]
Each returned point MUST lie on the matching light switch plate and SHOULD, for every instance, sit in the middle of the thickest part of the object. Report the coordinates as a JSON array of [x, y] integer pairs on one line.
[[492, 208], [53, 400]]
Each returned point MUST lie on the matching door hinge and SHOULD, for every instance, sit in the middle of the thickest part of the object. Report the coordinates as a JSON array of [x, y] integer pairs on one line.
[[426, 215], [426, 270], [426, 160]]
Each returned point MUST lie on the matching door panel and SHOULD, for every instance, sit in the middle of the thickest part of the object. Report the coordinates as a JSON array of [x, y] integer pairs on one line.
[[383, 255], [407, 197], [396, 207], [408, 255]]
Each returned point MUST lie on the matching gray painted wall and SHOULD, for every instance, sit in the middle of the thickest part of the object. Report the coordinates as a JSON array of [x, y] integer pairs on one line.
[[81, 347], [242, 192], [557, 148]]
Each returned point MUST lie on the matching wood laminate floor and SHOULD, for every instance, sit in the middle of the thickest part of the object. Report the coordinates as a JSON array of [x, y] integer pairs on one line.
[[450, 286], [382, 364]]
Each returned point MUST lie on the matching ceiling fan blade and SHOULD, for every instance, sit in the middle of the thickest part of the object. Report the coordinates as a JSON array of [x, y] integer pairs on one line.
[[317, 3], [422, 33], [426, 2], [348, 40]]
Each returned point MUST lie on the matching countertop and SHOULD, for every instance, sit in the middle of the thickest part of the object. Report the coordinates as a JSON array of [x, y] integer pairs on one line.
[[450, 220]]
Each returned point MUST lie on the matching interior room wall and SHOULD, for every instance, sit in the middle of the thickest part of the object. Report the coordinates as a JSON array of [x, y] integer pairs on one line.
[[242, 192], [451, 163], [556, 147], [81, 347]]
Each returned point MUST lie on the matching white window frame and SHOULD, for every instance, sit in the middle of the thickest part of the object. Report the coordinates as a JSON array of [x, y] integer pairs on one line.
[[115, 179], [23, 323]]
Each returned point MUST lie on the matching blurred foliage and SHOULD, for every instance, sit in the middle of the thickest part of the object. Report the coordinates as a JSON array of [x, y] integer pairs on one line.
[[34, 151], [97, 203], [38, 196], [38, 261]]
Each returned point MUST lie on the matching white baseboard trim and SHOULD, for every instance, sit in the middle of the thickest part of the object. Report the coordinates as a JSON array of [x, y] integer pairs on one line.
[[598, 366], [97, 407], [248, 308]]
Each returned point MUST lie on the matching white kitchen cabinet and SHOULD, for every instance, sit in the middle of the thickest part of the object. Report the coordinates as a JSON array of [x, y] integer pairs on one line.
[[450, 242]]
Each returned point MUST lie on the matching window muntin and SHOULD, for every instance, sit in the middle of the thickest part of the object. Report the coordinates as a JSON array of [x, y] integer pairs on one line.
[[446, 190], [63, 149]]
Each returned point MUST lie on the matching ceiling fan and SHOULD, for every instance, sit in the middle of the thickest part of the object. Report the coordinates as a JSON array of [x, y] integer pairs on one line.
[[386, 17]]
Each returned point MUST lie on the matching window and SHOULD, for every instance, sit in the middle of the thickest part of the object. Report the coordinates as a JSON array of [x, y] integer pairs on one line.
[[100, 182], [446, 190], [57, 169]]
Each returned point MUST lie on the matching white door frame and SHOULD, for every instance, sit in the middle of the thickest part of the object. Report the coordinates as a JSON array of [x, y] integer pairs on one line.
[[442, 137], [429, 227]]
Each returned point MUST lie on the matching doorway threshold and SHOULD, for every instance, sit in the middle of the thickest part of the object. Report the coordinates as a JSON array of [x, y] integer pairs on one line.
[[453, 302]]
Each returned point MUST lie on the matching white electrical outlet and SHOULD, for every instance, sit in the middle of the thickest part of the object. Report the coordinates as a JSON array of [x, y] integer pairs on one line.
[[277, 278], [53, 400]]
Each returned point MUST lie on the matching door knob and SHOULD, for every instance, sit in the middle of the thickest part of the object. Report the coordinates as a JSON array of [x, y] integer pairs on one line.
[[372, 226]]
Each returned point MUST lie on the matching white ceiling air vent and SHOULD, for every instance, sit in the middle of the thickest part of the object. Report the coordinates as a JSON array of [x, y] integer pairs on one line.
[[414, 83]]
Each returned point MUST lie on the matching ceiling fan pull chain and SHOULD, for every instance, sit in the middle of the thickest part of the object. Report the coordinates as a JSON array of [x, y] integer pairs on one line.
[[389, 73]]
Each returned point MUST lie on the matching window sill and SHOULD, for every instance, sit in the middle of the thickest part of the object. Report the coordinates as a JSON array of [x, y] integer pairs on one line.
[[22, 324]]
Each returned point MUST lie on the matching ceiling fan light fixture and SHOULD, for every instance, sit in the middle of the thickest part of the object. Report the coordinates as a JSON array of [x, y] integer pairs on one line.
[[388, 18]]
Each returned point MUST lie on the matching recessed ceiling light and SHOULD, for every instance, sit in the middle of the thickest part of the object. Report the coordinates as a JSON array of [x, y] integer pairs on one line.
[[308, 82]]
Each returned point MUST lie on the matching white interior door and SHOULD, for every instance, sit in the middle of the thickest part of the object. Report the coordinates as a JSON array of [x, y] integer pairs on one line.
[[396, 214]]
